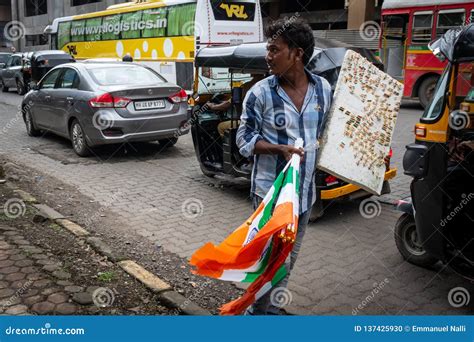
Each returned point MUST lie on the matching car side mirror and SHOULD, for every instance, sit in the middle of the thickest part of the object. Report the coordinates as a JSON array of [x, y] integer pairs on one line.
[[35, 87], [3, 65]]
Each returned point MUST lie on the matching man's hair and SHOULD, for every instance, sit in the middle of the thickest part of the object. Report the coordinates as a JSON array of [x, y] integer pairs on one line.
[[294, 32]]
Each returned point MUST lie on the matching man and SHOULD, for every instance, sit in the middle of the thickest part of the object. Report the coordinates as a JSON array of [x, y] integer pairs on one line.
[[127, 58], [226, 105], [290, 104]]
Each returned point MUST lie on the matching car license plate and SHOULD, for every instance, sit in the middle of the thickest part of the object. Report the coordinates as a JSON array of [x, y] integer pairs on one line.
[[146, 105]]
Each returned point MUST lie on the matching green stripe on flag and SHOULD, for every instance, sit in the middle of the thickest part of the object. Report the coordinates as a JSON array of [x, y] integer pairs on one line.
[[251, 276]]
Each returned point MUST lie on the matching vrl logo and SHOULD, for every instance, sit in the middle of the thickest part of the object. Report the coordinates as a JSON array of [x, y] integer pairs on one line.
[[237, 10]]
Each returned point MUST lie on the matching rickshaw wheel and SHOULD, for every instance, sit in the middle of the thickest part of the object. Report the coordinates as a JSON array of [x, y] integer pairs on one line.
[[426, 90], [408, 244], [20, 89]]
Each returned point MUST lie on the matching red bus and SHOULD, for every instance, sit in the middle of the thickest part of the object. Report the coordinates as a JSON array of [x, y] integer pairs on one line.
[[407, 28]]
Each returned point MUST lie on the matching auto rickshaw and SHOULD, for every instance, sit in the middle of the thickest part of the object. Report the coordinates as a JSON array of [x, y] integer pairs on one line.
[[438, 220], [221, 75], [37, 64]]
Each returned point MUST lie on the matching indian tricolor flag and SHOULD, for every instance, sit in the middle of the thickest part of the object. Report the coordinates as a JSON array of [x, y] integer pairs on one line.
[[256, 251]]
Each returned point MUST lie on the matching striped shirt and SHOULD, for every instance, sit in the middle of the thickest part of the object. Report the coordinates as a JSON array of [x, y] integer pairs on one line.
[[269, 114]]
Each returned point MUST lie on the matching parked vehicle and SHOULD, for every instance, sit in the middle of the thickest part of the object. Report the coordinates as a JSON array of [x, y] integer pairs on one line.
[[164, 35], [4, 58], [222, 71], [440, 223], [12, 74], [37, 64], [25, 68], [407, 28], [105, 103]]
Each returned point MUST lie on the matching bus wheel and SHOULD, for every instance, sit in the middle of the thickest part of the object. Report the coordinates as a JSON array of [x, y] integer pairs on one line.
[[426, 90], [408, 243]]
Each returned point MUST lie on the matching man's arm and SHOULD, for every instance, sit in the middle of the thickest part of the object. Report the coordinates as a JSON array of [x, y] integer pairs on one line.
[[249, 138]]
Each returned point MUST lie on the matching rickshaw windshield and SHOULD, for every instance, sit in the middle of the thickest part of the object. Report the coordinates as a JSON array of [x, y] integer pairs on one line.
[[470, 96], [218, 80], [435, 109]]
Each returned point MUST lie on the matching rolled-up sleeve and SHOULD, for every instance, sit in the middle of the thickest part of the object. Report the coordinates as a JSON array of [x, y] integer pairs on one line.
[[249, 131]]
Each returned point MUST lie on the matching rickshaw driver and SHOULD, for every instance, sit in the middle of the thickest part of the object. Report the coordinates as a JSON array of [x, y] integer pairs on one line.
[[290, 104], [224, 106]]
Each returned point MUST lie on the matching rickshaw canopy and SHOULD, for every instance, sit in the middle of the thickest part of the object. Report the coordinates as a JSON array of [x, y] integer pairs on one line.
[[456, 45], [326, 60]]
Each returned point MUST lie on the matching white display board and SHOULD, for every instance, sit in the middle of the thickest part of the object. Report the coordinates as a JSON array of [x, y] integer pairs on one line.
[[360, 124]]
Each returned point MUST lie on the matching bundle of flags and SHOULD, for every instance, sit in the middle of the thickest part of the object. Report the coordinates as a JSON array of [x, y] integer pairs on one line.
[[256, 251]]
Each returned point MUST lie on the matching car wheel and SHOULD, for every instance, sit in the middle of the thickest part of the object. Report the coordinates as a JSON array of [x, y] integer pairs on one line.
[[20, 88], [4, 87], [168, 142], [426, 90], [30, 125], [408, 243], [78, 139]]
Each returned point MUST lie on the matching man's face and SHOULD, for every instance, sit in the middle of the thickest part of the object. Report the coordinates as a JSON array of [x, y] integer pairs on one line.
[[280, 58]]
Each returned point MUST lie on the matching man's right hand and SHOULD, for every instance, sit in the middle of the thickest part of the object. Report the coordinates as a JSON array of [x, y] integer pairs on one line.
[[287, 151]]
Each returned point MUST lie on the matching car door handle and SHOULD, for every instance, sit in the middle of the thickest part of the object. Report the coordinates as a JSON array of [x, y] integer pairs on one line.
[[47, 98], [70, 99]]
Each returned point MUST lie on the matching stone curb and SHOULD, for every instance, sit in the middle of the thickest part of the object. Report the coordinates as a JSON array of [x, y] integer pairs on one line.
[[164, 291]]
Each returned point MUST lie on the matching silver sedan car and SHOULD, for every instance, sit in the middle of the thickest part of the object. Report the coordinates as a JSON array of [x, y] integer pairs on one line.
[[106, 103]]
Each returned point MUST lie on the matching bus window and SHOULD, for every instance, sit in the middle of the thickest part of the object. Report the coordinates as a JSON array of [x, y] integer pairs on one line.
[[181, 20], [394, 27], [77, 31], [422, 27], [111, 21], [471, 20], [449, 19], [93, 29], [64, 34], [132, 25], [157, 16]]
